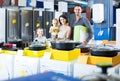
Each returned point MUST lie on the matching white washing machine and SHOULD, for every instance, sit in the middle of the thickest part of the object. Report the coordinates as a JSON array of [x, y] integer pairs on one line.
[[2, 24], [25, 66], [81, 70], [63, 67], [6, 66]]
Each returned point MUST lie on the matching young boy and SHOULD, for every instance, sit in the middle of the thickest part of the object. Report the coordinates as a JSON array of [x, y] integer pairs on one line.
[[40, 39]]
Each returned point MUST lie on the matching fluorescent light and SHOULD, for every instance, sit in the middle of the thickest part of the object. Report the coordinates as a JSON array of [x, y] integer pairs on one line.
[[82, 2]]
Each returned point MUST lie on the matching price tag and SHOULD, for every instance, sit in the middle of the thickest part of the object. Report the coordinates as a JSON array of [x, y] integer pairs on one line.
[[0, 50], [1, 67], [47, 55], [105, 41], [20, 52], [35, 53], [83, 59]]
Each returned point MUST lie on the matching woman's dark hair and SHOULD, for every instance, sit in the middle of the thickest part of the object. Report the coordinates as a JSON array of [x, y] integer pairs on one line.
[[63, 16]]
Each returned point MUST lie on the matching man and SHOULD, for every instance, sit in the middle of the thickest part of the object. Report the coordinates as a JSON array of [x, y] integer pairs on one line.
[[77, 19]]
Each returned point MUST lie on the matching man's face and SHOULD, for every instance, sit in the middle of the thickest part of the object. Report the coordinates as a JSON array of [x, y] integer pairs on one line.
[[77, 10]]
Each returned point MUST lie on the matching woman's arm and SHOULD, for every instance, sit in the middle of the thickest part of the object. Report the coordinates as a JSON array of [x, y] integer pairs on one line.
[[50, 31], [68, 33]]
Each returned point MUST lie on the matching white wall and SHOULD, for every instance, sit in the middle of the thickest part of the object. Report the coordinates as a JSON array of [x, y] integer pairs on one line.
[[2, 24]]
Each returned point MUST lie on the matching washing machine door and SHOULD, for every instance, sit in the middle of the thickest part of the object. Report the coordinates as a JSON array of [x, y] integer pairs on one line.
[[25, 66], [22, 70], [4, 72], [6, 66]]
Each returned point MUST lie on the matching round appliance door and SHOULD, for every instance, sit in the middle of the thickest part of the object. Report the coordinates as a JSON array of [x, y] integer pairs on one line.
[[22, 70], [4, 72]]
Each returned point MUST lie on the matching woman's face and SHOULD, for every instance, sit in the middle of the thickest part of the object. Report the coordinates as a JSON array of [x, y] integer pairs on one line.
[[63, 20]]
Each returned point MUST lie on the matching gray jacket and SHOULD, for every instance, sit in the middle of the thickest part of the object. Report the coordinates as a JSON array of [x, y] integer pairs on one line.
[[82, 21]]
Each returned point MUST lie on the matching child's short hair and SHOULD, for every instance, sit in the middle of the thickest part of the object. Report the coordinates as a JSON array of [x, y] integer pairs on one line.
[[55, 19], [40, 28]]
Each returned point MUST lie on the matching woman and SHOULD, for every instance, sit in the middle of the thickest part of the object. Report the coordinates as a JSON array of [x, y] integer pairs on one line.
[[64, 30]]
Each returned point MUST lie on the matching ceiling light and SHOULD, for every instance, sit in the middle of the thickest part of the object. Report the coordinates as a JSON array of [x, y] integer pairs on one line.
[[81, 2]]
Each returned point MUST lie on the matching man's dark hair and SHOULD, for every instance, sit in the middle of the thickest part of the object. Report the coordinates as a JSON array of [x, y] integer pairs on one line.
[[77, 5]]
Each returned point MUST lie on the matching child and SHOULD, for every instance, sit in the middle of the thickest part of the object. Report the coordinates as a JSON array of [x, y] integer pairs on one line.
[[54, 29], [40, 39]]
